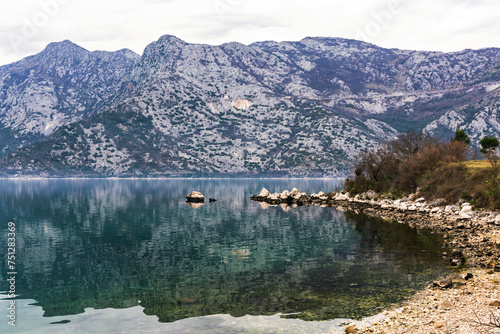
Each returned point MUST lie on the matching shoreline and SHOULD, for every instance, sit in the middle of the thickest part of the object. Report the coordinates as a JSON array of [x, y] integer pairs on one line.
[[464, 303]]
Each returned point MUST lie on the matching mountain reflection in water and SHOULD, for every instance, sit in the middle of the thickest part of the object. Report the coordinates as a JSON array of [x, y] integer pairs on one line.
[[113, 243]]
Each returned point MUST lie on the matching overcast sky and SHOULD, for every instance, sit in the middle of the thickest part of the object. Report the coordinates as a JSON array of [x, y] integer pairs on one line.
[[27, 26]]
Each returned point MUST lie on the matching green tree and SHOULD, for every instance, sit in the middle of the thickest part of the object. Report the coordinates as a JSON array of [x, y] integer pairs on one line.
[[489, 146], [461, 136]]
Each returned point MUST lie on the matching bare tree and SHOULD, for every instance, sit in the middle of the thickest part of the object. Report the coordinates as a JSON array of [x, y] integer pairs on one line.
[[410, 143]]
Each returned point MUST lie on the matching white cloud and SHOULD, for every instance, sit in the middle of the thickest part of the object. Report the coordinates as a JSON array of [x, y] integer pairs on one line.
[[447, 25]]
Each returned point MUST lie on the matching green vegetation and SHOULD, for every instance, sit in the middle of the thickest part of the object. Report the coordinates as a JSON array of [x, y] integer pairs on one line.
[[461, 136], [489, 146], [438, 170]]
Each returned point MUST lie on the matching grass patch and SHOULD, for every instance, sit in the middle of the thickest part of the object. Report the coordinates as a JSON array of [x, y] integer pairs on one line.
[[472, 181], [477, 164]]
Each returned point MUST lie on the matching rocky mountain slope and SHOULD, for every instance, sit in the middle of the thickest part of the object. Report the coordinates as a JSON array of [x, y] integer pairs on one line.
[[61, 85], [291, 108]]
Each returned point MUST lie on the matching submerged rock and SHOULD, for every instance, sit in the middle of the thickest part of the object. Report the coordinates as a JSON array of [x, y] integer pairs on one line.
[[195, 197]]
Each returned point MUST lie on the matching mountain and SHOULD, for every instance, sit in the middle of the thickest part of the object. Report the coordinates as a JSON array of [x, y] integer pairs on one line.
[[301, 108], [61, 85]]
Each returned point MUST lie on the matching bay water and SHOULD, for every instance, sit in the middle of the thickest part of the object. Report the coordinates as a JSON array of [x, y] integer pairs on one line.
[[131, 256]]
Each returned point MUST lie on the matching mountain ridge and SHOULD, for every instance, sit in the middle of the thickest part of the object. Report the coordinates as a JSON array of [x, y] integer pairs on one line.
[[301, 108]]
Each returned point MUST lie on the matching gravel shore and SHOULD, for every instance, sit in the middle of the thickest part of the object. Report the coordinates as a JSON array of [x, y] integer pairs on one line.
[[466, 303], [471, 307]]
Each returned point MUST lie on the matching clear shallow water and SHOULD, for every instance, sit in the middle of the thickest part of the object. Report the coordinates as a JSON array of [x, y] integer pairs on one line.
[[118, 255]]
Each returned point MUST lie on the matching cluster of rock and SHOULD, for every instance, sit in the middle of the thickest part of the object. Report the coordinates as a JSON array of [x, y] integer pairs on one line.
[[470, 236], [290, 197]]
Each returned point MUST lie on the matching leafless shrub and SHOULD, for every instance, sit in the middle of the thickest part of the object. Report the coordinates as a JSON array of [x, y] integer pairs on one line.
[[489, 325], [399, 165]]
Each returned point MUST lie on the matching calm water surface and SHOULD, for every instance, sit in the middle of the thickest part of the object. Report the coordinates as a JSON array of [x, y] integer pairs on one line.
[[118, 256]]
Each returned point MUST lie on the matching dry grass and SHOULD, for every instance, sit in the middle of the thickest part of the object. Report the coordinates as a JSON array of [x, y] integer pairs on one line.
[[477, 164], [472, 181]]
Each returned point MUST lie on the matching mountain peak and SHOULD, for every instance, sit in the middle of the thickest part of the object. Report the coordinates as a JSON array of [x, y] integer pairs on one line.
[[64, 46], [170, 39]]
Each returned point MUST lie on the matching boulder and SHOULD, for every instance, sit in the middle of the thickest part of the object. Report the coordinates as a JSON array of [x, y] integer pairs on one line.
[[273, 197], [294, 192], [412, 208], [435, 210], [264, 193], [195, 197], [438, 202], [285, 194], [341, 197], [370, 194], [450, 208], [467, 211]]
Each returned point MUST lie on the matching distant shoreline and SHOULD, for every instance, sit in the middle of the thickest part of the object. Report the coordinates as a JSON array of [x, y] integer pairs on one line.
[[173, 178]]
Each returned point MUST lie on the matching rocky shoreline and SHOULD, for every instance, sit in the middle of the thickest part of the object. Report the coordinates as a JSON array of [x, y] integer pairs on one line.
[[469, 303]]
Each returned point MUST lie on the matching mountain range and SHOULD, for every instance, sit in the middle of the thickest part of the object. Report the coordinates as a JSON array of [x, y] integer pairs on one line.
[[303, 108]]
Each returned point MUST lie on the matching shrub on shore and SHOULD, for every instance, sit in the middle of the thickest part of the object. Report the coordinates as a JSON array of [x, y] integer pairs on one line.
[[399, 166], [415, 160]]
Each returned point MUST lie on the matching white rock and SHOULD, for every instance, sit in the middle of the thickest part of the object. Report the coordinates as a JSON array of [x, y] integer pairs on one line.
[[341, 197], [195, 194], [294, 192], [467, 211], [450, 208], [264, 193], [402, 207], [285, 194], [273, 196]]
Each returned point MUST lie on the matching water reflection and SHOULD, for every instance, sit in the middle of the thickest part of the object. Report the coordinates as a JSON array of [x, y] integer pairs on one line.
[[109, 244]]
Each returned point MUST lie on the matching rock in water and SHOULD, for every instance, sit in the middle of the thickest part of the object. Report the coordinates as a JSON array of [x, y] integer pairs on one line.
[[264, 193], [195, 197]]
